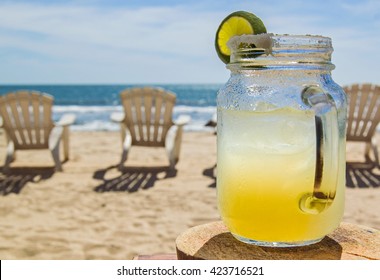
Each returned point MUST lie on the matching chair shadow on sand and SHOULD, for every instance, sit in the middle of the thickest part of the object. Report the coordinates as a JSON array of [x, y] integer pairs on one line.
[[211, 172], [131, 179], [15, 179], [362, 175]]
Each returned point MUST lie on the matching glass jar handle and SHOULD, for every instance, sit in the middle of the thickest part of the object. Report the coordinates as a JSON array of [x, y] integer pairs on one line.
[[327, 140]]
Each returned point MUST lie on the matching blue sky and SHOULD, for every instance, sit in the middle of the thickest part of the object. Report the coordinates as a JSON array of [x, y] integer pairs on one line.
[[136, 41]]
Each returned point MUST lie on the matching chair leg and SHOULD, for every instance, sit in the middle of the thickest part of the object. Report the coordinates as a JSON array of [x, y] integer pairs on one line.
[[173, 145], [367, 149], [178, 142], [65, 139], [54, 143], [376, 154], [371, 146], [173, 163], [55, 154], [10, 155], [124, 156], [174, 157], [127, 143]]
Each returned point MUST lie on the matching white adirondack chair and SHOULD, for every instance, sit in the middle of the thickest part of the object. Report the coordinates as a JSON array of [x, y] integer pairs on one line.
[[147, 121], [27, 122], [363, 116]]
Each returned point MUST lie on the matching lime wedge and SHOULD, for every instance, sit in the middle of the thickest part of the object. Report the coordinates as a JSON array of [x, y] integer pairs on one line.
[[237, 23]]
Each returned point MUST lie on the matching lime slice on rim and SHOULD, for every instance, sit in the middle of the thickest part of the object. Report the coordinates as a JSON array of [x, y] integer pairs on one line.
[[237, 23]]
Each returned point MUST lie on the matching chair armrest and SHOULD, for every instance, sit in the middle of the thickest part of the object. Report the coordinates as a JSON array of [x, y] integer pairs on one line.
[[375, 151], [182, 120], [66, 120], [118, 117]]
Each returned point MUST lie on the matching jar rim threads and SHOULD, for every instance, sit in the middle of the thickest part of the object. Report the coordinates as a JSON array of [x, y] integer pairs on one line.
[[281, 51]]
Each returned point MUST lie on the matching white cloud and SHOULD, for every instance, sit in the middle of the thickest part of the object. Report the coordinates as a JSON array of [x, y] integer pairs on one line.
[[144, 37], [171, 30], [366, 8], [88, 43]]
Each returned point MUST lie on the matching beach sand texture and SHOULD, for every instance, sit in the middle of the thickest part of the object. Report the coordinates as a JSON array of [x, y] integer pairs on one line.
[[93, 211]]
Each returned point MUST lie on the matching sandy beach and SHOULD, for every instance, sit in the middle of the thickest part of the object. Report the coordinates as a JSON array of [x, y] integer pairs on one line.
[[93, 211]]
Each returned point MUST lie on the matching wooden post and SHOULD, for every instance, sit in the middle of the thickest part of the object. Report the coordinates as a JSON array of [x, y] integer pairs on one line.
[[213, 241]]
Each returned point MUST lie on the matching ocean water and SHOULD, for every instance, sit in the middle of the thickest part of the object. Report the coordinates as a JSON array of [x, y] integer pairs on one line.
[[94, 104]]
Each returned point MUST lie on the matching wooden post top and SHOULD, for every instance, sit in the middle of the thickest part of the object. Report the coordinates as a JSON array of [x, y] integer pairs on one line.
[[213, 241]]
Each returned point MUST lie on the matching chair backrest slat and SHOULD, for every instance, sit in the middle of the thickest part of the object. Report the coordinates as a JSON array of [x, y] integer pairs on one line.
[[36, 117], [46, 121], [148, 121], [148, 114], [127, 103], [24, 102], [157, 134], [18, 126], [167, 112], [27, 118], [138, 118], [363, 111], [8, 119]]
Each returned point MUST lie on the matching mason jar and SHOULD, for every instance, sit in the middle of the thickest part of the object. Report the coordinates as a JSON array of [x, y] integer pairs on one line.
[[281, 141]]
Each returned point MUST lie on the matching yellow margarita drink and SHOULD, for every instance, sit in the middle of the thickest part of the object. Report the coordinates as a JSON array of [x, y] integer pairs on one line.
[[266, 164]]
